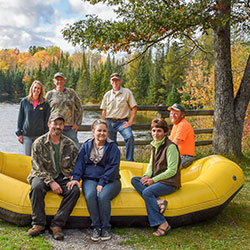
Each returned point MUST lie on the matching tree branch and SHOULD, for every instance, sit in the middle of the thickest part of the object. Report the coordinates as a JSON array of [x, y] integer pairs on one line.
[[197, 44]]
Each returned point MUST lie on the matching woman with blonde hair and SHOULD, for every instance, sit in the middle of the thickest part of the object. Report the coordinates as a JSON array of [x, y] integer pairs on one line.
[[33, 116]]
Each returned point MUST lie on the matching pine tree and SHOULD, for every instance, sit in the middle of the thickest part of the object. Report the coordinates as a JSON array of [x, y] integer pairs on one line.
[[82, 85], [155, 87], [173, 70], [105, 83], [140, 92], [94, 87]]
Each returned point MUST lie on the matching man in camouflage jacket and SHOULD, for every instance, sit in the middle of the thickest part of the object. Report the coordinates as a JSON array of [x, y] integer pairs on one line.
[[53, 159], [67, 102]]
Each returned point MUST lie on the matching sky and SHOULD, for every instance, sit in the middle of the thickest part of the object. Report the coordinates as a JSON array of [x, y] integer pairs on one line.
[[24, 23]]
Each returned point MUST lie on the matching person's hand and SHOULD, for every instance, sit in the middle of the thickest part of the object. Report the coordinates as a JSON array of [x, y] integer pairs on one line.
[[98, 189], [127, 124], [147, 181], [71, 184], [20, 139], [144, 179], [75, 127], [55, 187]]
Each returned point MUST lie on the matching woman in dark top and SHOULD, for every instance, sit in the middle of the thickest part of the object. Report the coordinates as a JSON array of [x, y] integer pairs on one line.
[[98, 166], [33, 116], [161, 178]]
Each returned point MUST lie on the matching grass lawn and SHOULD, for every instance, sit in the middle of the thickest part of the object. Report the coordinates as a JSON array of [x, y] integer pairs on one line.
[[229, 230]]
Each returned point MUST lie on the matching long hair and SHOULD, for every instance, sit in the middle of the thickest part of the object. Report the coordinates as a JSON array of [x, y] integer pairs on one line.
[[41, 97]]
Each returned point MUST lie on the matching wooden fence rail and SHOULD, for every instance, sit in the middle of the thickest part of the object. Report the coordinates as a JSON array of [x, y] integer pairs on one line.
[[162, 112]]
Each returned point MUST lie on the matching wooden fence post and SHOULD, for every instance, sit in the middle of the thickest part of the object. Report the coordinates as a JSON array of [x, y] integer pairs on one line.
[[163, 113]]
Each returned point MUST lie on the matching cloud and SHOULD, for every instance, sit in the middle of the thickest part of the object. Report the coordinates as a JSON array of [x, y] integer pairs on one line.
[[24, 23], [103, 11]]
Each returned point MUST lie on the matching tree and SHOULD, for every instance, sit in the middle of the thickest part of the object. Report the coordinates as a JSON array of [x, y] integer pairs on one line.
[[156, 88], [172, 72], [140, 92], [82, 85], [142, 24]]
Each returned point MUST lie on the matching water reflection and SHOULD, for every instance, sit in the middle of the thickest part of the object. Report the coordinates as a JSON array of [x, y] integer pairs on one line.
[[8, 117]]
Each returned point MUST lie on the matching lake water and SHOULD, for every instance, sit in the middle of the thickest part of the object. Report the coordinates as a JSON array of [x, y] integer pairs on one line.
[[8, 118]]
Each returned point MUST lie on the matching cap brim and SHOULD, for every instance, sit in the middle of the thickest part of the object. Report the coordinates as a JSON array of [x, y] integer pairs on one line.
[[171, 108]]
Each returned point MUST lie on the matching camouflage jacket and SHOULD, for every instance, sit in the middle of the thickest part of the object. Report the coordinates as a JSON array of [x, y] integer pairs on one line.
[[42, 160], [68, 104]]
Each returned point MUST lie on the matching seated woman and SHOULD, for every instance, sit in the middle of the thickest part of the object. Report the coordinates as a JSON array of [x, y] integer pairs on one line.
[[161, 178], [98, 166]]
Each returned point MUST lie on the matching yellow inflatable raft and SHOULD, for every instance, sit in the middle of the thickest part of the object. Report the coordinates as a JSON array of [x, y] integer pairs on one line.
[[207, 186]]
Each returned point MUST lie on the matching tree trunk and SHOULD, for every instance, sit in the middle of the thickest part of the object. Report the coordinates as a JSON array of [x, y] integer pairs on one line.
[[229, 113], [241, 102]]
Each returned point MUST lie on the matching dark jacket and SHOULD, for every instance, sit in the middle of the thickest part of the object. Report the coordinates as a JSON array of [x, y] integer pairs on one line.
[[32, 122], [43, 161], [105, 171], [160, 164]]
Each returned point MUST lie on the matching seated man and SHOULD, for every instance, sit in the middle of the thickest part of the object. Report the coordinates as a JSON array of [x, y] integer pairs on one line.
[[182, 133], [53, 159]]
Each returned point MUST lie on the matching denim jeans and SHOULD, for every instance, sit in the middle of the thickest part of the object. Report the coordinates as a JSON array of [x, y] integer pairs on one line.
[[185, 159], [71, 133], [126, 133], [151, 194], [100, 207], [37, 194], [27, 144]]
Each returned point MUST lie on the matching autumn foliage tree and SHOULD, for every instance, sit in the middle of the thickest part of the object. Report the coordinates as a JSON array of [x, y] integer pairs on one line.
[[142, 24]]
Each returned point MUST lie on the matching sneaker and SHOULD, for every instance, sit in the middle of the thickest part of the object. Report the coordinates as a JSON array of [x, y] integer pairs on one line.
[[96, 234], [36, 230], [57, 233], [106, 235]]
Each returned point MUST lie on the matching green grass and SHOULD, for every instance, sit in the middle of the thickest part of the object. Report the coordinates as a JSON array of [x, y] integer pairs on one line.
[[13, 237], [229, 230]]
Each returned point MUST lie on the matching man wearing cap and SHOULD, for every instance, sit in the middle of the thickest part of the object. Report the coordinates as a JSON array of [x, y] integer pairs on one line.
[[182, 133], [53, 158], [67, 102], [117, 105]]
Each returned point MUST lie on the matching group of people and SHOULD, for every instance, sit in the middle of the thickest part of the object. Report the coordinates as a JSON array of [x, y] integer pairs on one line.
[[47, 127]]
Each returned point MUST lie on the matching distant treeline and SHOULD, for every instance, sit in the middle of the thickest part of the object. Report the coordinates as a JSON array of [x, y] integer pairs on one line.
[[175, 72]]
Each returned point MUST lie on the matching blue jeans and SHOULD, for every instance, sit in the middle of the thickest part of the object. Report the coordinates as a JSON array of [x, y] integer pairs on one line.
[[151, 194], [185, 159], [100, 207], [71, 133], [126, 133], [27, 144]]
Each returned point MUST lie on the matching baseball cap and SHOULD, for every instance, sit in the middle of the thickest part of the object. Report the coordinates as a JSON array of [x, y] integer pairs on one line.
[[115, 76], [59, 74], [55, 115], [177, 107]]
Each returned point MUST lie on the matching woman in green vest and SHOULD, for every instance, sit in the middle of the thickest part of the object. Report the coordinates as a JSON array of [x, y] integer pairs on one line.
[[161, 178]]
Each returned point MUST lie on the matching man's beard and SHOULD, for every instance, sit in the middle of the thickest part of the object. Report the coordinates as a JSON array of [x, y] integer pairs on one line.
[[56, 132]]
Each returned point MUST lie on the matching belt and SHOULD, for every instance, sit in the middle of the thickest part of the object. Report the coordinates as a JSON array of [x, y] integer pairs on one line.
[[116, 120], [66, 128]]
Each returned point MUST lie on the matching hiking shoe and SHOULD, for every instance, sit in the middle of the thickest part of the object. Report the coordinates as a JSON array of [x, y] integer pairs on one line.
[[106, 235], [96, 234], [36, 230], [57, 233]]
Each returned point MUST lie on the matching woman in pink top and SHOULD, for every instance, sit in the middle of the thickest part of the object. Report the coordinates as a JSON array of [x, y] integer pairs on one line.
[[33, 116]]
